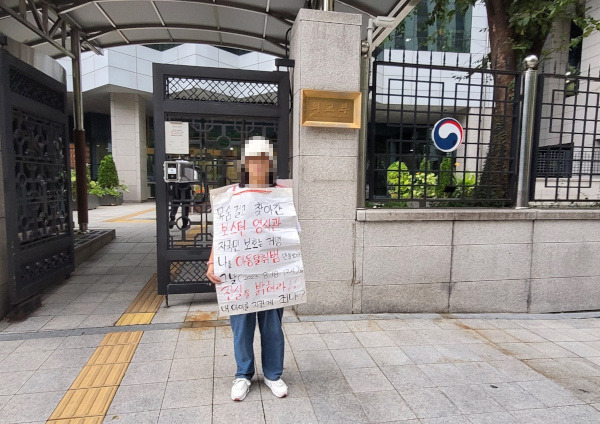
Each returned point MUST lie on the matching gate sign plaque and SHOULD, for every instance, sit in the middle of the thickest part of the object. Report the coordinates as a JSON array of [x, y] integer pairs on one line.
[[256, 249], [447, 134], [336, 109], [177, 138]]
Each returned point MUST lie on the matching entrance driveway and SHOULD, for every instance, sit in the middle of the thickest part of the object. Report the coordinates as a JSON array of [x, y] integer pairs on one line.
[[70, 360]]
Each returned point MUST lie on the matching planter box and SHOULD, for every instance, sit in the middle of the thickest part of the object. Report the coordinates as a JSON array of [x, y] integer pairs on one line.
[[93, 202], [111, 200]]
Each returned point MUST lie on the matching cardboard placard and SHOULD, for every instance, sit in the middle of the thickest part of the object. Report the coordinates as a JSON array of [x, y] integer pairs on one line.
[[256, 250]]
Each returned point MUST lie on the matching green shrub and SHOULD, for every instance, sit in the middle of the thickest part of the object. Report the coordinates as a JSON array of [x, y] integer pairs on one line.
[[425, 165], [101, 191], [444, 177], [74, 181], [411, 186], [107, 173], [398, 180], [108, 180], [465, 184], [425, 184], [73, 184]]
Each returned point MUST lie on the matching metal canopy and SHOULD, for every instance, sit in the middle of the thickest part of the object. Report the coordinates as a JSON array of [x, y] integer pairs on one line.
[[258, 25]]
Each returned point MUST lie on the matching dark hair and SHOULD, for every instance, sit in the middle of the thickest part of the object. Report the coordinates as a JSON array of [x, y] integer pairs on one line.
[[245, 178]]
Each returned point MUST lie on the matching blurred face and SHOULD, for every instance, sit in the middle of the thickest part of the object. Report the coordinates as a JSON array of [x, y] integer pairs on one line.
[[257, 166]]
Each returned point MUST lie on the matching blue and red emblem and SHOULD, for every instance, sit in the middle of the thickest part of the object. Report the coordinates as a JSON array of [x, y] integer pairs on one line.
[[447, 134]]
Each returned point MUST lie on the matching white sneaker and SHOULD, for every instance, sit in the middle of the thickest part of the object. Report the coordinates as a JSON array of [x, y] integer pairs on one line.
[[278, 387], [240, 388]]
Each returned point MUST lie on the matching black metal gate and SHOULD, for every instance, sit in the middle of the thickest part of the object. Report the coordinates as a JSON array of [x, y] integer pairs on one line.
[[566, 140], [408, 98], [223, 107], [36, 174]]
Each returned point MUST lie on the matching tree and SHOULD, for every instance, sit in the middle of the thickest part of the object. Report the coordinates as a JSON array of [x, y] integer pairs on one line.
[[107, 173], [516, 28], [108, 183]]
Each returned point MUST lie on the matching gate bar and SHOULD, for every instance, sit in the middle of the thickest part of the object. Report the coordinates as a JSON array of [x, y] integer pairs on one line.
[[365, 65]]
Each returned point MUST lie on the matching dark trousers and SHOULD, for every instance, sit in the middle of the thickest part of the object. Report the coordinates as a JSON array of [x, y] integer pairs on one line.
[[271, 342], [181, 195]]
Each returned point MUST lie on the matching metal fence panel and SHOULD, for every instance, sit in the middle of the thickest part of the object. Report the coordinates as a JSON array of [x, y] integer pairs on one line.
[[566, 145], [405, 169]]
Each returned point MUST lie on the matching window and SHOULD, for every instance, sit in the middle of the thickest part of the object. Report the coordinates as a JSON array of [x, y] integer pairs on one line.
[[555, 161], [564, 160], [586, 160], [414, 33]]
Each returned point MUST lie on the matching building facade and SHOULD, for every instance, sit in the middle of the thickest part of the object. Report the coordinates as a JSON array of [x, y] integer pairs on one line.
[[118, 93], [117, 97]]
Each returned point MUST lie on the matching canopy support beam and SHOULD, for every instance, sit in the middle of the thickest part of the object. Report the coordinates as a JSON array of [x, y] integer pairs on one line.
[[42, 25], [18, 16]]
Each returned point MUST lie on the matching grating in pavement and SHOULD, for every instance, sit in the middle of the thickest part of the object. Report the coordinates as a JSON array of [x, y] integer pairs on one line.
[[90, 235]]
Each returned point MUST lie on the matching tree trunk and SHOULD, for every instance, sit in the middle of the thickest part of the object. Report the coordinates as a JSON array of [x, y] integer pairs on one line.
[[493, 183]]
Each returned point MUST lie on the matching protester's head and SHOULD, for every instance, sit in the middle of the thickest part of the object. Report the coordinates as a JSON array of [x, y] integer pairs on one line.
[[258, 160]]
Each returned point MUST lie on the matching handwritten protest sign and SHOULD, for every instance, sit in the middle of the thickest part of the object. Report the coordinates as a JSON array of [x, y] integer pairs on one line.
[[256, 249]]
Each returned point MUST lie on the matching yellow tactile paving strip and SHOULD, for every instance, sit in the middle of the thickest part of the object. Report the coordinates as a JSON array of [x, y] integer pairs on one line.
[[136, 318], [127, 218], [90, 395], [90, 420], [144, 306], [99, 376]]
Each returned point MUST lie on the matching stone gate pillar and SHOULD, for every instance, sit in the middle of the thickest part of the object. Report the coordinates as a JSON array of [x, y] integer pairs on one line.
[[326, 49]]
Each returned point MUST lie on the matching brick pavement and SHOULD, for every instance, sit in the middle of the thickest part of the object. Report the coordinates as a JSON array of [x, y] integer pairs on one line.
[[400, 368]]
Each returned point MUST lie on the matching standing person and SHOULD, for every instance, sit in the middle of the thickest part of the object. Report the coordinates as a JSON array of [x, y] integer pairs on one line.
[[182, 195], [257, 171]]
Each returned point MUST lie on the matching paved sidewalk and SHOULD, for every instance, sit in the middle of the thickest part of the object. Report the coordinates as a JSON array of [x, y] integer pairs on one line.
[[400, 368]]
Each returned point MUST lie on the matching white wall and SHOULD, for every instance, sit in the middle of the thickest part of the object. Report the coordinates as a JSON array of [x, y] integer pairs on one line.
[[131, 66]]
